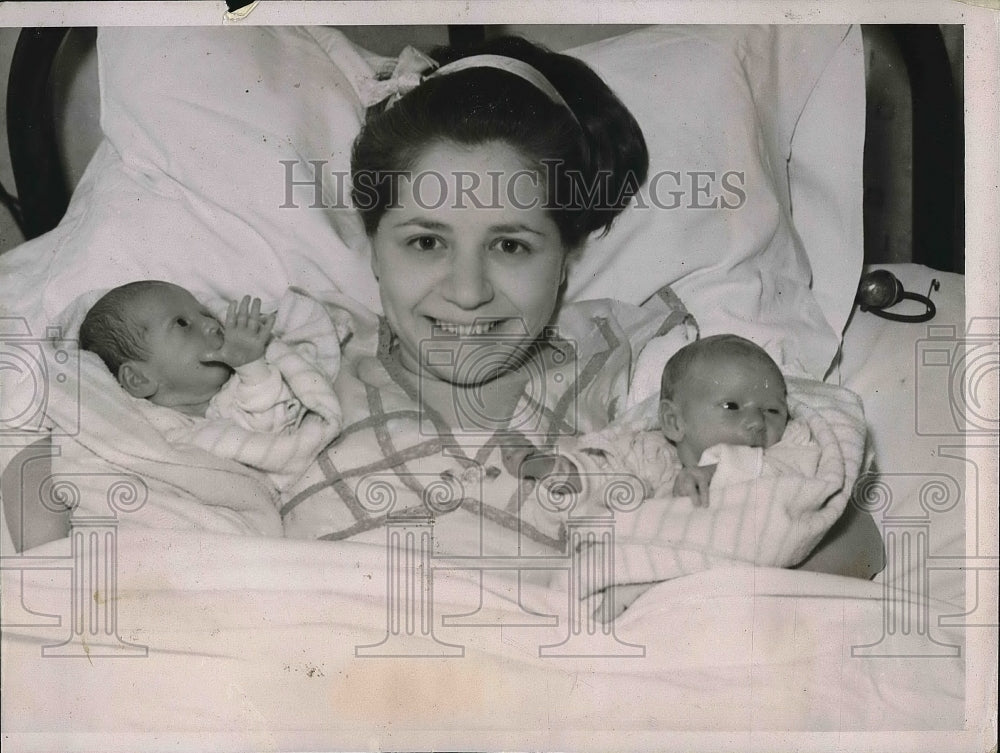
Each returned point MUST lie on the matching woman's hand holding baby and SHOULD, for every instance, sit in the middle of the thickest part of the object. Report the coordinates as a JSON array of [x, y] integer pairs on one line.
[[246, 334]]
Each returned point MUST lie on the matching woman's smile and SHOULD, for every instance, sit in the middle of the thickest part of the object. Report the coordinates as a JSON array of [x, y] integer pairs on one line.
[[476, 328]]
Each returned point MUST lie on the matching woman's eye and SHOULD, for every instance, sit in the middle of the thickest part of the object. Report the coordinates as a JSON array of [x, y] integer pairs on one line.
[[425, 243], [511, 246]]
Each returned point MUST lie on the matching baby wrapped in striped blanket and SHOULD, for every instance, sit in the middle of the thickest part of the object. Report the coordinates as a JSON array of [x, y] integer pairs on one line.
[[774, 479], [227, 387]]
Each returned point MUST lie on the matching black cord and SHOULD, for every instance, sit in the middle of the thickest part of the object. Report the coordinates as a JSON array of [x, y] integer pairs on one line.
[[912, 318], [12, 205]]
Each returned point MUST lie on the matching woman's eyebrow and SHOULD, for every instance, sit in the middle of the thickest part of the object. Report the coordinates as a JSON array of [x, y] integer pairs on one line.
[[422, 222], [516, 228]]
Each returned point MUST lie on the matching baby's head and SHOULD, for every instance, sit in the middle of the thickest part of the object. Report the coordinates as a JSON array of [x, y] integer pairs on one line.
[[723, 389], [154, 337]]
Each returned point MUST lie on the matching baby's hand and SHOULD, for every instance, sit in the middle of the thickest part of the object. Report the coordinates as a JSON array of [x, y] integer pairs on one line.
[[693, 483], [246, 336]]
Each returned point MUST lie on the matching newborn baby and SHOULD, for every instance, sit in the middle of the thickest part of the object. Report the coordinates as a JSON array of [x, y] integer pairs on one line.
[[163, 345]]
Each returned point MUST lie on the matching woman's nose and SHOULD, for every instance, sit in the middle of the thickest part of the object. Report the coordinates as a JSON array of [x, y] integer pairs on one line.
[[468, 284]]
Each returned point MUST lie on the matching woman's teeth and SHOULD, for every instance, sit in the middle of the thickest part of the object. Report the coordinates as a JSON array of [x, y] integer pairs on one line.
[[465, 330]]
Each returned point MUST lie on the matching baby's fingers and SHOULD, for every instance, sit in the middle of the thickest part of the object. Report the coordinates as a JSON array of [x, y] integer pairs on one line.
[[687, 485], [242, 312], [231, 315]]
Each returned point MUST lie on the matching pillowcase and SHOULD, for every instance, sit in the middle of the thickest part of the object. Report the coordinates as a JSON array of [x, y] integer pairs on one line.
[[720, 112], [204, 128], [226, 155]]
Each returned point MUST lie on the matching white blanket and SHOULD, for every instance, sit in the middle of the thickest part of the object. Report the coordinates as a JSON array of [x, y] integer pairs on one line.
[[259, 638]]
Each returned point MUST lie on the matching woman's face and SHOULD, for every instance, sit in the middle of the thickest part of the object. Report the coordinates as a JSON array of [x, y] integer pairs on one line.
[[469, 262]]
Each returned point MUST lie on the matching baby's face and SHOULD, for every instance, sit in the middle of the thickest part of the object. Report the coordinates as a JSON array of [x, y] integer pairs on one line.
[[178, 332], [736, 400]]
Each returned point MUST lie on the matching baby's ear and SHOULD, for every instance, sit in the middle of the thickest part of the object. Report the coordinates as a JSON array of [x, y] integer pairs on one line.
[[671, 421], [133, 378]]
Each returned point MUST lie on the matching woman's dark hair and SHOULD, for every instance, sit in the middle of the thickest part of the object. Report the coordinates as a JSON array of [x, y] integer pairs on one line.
[[594, 159]]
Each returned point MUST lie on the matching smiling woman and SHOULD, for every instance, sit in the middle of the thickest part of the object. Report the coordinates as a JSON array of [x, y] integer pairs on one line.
[[474, 188]]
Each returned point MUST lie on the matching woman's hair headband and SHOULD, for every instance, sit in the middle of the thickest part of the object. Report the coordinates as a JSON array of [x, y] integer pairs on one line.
[[412, 66]]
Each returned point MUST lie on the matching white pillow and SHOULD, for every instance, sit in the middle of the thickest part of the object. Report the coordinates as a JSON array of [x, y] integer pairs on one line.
[[724, 101], [190, 184]]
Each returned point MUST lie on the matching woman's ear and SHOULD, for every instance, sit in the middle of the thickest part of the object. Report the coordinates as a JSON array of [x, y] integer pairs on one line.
[[134, 380], [671, 421]]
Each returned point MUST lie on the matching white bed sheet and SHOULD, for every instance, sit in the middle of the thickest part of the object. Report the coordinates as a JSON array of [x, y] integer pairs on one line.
[[258, 639]]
